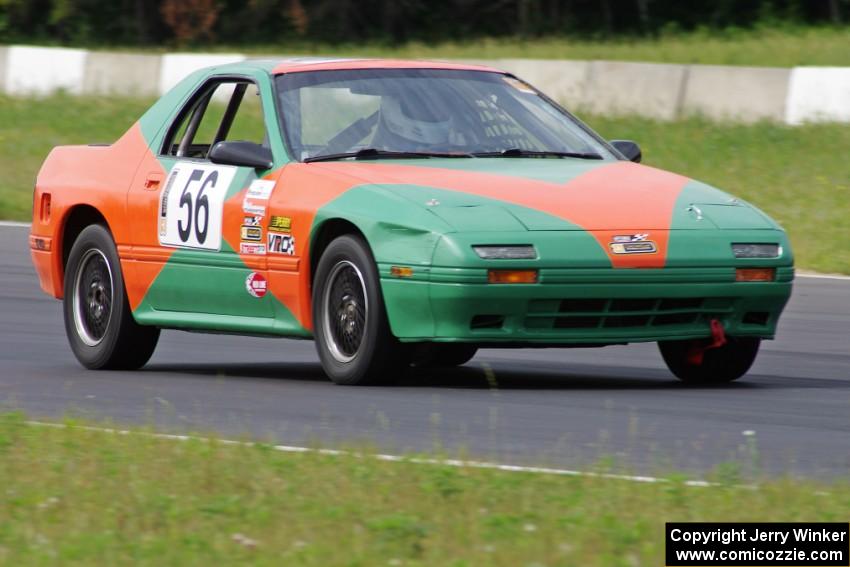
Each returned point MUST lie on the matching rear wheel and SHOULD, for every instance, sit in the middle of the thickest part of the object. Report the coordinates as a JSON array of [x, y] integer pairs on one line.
[[98, 321], [350, 323], [719, 365]]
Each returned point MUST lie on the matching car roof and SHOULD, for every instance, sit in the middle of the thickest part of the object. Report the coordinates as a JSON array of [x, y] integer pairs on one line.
[[301, 64]]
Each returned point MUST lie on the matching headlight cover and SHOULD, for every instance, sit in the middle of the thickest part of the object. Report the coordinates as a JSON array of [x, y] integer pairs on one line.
[[756, 250], [506, 252]]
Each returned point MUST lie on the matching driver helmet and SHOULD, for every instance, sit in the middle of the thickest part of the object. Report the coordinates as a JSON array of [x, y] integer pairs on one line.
[[420, 125]]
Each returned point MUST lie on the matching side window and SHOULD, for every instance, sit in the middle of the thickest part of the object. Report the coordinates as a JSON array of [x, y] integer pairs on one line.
[[227, 110], [249, 123]]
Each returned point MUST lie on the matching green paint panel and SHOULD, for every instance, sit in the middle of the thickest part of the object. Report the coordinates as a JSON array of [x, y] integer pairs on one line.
[[197, 282], [696, 242], [207, 290], [222, 323], [574, 310]]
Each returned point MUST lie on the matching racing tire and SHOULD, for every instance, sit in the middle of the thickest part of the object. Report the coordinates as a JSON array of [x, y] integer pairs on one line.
[[98, 321], [445, 355], [719, 365], [350, 325]]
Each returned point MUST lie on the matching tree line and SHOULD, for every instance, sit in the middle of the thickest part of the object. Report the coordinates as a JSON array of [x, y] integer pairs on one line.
[[203, 22]]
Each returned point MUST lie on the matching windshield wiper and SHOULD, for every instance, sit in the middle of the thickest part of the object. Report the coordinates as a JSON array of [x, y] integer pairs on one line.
[[374, 153], [518, 152]]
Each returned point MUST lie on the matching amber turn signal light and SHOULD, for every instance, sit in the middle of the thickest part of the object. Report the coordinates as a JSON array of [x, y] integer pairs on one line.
[[40, 243], [755, 274], [512, 276], [401, 271]]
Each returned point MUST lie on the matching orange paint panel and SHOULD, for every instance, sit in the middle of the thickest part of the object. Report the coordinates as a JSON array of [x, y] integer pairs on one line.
[[232, 223], [297, 66], [302, 190], [143, 216], [95, 176], [629, 197], [283, 263], [46, 274], [145, 253], [633, 198]]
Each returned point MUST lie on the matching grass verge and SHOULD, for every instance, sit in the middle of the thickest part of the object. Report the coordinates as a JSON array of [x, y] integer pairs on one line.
[[75, 496], [766, 45], [797, 175]]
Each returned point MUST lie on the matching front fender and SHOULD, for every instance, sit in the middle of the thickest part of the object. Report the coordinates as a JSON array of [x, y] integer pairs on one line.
[[396, 231]]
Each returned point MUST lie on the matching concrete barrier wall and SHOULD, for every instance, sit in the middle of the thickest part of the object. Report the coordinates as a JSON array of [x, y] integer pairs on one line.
[[3, 58], [42, 70], [649, 89], [661, 91], [745, 94], [139, 74], [818, 94], [175, 66]]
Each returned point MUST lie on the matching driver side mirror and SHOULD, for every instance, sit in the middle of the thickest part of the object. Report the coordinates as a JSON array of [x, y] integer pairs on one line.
[[630, 150], [245, 154]]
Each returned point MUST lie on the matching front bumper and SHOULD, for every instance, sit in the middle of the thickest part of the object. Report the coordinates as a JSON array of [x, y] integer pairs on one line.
[[582, 306]]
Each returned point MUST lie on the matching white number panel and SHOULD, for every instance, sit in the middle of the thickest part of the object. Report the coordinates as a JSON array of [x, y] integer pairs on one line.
[[191, 205]]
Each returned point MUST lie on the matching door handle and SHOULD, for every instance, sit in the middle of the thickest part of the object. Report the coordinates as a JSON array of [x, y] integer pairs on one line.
[[153, 181]]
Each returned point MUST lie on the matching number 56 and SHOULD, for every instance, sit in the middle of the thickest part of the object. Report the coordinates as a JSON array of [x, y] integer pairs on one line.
[[194, 209]]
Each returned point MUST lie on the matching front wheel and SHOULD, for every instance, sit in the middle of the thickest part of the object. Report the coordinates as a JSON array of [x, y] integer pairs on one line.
[[350, 324], [98, 320], [718, 366]]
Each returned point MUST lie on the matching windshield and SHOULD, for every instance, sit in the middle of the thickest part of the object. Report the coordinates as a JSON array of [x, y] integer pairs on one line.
[[427, 111]]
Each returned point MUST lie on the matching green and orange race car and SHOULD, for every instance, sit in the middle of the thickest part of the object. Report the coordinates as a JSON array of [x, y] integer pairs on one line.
[[398, 212]]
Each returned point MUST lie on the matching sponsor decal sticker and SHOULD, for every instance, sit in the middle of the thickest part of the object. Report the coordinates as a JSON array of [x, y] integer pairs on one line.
[[163, 202], [190, 215], [280, 224], [260, 189], [633, 244], [252, 209], [252, 221], [252, 233], [252, 248], [281, 243], [521, 86], [256, 285]]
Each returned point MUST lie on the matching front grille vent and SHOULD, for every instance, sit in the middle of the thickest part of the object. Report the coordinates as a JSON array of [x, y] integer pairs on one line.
[[624, 313]]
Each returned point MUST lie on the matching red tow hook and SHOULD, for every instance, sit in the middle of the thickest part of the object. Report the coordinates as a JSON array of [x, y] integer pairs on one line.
[[718, 339]]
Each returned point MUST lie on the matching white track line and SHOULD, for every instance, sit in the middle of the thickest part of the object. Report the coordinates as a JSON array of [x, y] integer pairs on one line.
[[817, 276], [380, 457], [813, 275]]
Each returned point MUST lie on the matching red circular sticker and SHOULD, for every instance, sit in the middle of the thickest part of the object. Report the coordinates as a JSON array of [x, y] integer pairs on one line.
[[256, 284]]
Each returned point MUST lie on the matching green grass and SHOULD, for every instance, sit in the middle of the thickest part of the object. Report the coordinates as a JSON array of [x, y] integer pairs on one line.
[[765, 46], [73, 496], [797, 175]]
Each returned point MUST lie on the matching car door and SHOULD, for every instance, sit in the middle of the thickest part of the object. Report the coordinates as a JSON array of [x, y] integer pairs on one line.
[[212, 237]]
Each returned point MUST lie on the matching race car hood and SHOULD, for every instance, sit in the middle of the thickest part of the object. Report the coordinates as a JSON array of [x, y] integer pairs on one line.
[[499, 194]]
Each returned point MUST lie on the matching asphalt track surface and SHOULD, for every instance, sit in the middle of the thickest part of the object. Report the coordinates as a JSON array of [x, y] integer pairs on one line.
[[557, 407]]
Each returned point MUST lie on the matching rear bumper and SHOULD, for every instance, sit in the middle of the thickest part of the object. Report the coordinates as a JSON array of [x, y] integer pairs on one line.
[[43, 262], [583, 306]]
